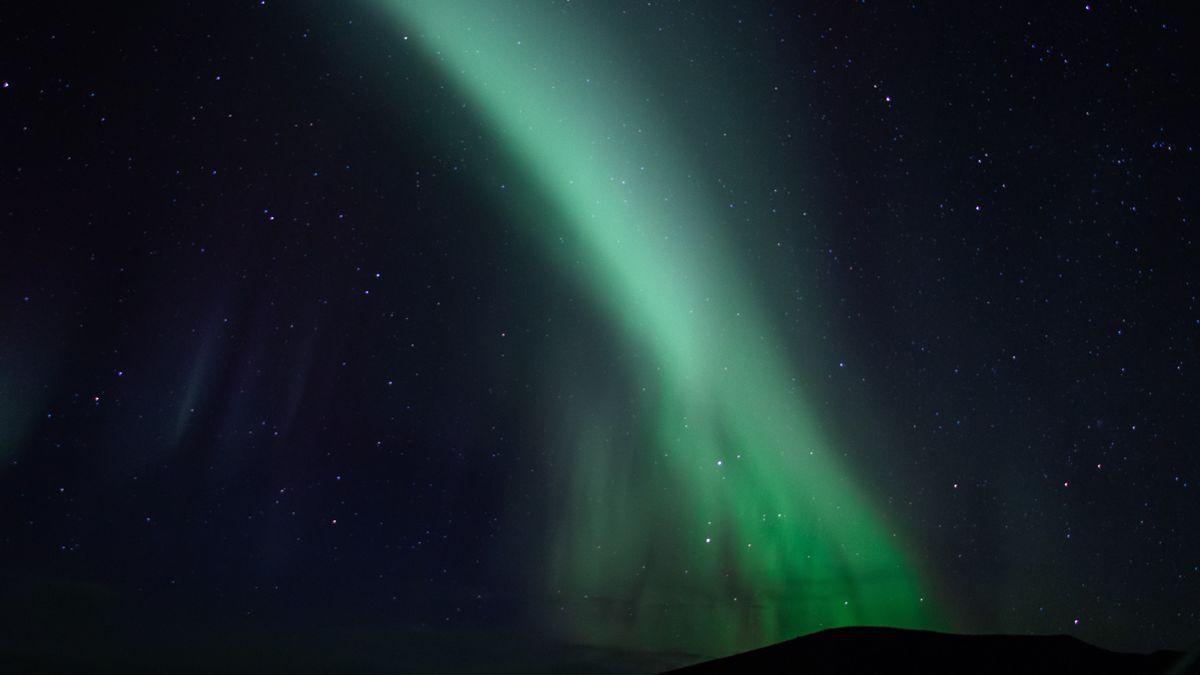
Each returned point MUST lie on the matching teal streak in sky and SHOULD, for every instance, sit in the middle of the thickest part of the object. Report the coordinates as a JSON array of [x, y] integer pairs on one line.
[[715, 516]]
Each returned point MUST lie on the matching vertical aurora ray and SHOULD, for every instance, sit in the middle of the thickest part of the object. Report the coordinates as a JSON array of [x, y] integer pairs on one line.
[[724, 521]]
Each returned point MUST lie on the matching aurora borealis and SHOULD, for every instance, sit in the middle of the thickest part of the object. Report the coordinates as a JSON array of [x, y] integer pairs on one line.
[[721, 516], [545, 336]]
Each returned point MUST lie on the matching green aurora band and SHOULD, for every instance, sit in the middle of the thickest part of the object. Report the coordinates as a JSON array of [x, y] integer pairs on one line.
[[729, 523]]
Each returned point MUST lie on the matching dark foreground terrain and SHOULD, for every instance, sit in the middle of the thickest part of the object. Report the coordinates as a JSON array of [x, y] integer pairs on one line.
[[83, 647], [892, 650]]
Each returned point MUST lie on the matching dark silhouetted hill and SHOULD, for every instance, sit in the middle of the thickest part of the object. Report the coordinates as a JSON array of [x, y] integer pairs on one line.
[[891, 650]]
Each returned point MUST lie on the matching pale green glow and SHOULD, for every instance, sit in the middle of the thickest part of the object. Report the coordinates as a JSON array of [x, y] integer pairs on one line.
[[721, 519]]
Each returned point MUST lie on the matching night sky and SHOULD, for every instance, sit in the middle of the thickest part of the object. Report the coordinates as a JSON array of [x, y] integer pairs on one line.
[[394, 333]]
